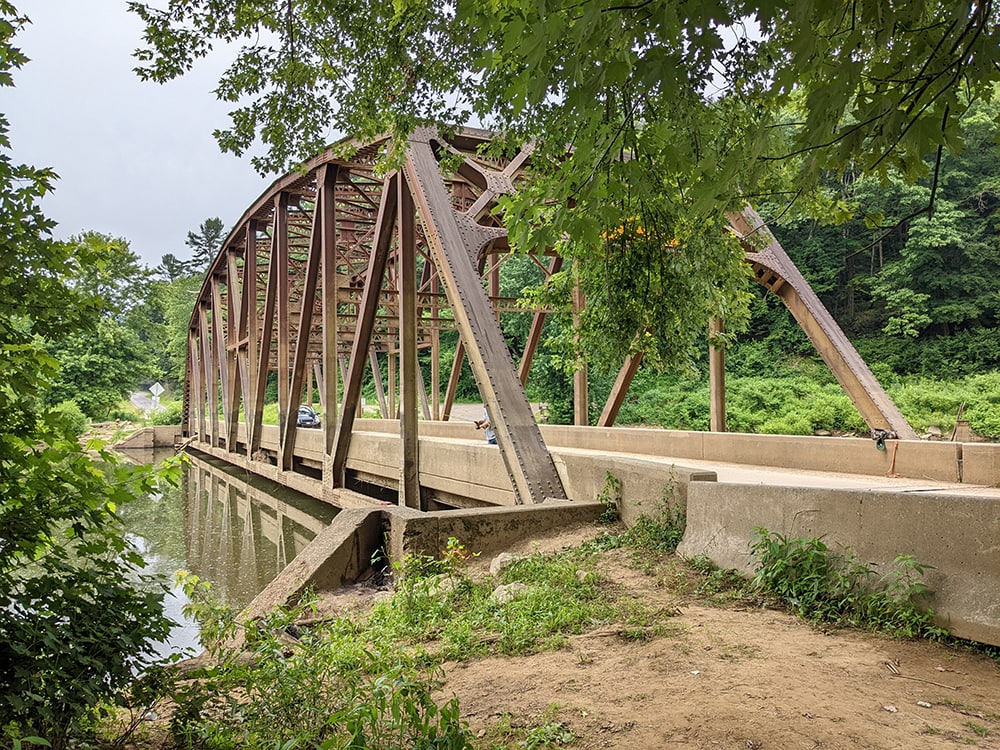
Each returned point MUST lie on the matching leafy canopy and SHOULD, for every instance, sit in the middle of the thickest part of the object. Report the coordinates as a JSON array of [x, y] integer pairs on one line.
[[675, 112]]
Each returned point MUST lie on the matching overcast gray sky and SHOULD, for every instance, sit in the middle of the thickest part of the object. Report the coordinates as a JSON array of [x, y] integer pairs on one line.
[[135, 160]]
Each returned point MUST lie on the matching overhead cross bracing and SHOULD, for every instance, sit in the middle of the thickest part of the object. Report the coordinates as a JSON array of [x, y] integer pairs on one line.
[[337, 271]]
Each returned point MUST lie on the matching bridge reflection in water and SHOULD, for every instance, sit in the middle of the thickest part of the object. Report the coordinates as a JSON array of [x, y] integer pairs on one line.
[[240, 531], [235, 531]]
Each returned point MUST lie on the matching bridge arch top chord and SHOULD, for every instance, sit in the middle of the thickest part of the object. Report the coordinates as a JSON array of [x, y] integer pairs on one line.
[[337, 270]]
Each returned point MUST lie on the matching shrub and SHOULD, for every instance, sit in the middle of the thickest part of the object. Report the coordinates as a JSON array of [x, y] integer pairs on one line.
[[326, 686], [78, 619], [72, 415], [169, 415]]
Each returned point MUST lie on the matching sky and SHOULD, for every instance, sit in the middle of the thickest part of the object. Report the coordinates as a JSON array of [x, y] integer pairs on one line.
[[135, 160]]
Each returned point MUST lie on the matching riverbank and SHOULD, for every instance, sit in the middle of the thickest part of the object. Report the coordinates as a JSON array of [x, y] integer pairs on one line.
[[690, 657]]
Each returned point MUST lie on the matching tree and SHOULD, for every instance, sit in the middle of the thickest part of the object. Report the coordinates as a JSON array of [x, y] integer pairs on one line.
[[674, 113], [171, 268], [100, 366], [77, 619], [205, 243]]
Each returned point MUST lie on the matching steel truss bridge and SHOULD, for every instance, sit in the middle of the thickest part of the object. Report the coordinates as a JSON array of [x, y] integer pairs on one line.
[[336, 271]]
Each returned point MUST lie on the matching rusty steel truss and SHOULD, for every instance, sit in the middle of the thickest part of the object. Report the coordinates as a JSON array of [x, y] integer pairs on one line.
[[336, 271]]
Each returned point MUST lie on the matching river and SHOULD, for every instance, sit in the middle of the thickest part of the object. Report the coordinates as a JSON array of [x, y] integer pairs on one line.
[[227, 527]]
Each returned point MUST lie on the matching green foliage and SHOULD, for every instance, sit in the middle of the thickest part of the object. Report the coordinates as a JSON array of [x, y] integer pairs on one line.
[[661, 530], [793, 404], [99, 368], [610, 497], [825, 586], [171, 413], [324, 686], [73, 416], [78, 620], [205, 244], [676, 115]]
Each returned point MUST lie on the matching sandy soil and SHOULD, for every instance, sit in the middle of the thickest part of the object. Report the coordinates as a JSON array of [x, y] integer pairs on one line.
[[741, 678]]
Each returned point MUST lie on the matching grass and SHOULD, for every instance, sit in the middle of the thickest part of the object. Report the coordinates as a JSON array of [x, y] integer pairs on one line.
[[373, 677]]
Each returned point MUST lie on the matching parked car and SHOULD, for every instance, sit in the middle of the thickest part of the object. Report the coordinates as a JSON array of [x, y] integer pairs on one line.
[[308, 417]]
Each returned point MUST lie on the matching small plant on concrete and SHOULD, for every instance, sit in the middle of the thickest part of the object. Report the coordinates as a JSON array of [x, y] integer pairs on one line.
[[823, 585], [610, 497], [661, 530]]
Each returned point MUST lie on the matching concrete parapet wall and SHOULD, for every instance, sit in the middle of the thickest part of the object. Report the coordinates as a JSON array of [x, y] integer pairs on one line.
[[981, 464], [474, 469], [913, 458], [646, 484], [933, 460], [958, 535]]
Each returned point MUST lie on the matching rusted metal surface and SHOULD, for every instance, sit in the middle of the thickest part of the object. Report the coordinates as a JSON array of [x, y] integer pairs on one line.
[[338, 271], [775, 270]]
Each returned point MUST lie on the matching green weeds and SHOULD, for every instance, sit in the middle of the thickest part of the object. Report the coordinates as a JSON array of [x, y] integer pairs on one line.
[[610, 497], [660, 531], [825, 586]]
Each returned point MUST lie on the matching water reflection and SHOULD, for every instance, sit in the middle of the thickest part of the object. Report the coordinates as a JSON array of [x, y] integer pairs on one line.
[[235, 530]]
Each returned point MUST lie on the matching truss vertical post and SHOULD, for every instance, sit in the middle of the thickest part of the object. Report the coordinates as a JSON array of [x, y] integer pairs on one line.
[[390, 384], [284, 334], [211, 374], [250, 333], [300, 364], [267, 321], [198, 373], [406, 280], [220, 326], [236, 348], [717, 380], [581, 393], [327, 216], [435, 352]]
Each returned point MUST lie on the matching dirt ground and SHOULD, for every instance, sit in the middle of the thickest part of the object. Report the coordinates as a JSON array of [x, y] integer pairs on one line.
[[738, 678]]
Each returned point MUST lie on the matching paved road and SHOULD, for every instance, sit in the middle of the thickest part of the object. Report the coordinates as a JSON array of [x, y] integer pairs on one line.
[[142, 400]]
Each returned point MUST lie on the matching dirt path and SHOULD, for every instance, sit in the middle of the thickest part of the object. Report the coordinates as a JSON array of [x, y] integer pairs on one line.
[[737, 678]]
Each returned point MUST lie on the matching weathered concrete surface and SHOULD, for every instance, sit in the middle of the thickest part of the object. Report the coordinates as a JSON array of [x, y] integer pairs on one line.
[[158, 436], [917, 459], [957, 534], [728, 484], [485, 530], [343, 551], [337, 556], [648, 484]]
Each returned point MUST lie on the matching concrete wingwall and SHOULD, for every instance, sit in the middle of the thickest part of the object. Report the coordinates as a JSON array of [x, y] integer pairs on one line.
[[959, 535]]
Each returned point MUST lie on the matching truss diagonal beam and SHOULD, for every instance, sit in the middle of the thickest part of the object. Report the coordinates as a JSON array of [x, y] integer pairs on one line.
[[453, 245], [366, 322]]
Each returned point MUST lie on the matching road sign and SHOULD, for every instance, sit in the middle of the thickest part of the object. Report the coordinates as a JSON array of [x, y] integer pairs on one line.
[[157, 389]]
